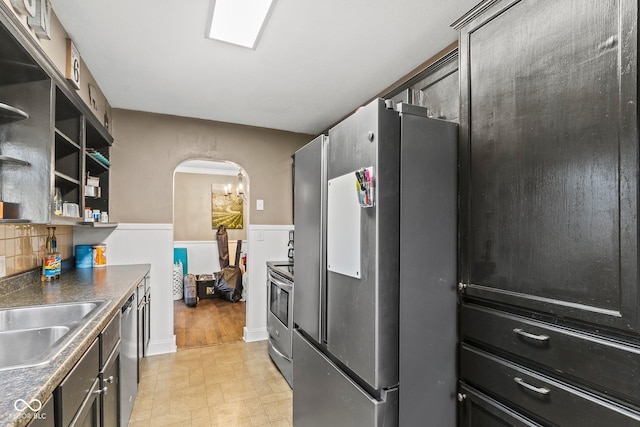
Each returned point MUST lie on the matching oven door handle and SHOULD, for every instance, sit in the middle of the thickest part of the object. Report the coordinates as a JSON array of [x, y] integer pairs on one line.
[[279, 352], [287, 286]]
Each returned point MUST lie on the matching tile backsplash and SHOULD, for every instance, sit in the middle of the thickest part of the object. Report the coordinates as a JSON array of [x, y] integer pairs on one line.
[[24, 245]]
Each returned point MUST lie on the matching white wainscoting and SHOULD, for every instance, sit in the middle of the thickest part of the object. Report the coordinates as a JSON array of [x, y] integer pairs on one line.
[[266, 243], [153, 244], [143, 244], [202, 256]]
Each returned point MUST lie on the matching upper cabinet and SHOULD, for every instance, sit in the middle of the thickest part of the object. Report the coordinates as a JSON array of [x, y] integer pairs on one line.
[[439, 89], [435, 88], [68, 149], [97, 164], [25, 132], [548, 158], [50, 142]]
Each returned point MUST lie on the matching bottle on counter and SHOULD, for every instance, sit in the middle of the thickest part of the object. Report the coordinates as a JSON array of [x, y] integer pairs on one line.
[[57, 202], [49, 260], [56, 254]]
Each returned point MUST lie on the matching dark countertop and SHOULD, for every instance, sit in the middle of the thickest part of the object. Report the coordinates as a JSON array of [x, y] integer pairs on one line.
[[113, 283], [285, 268]]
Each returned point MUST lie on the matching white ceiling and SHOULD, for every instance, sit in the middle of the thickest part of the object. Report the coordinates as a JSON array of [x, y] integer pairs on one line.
[[317, 60], [208, 168]]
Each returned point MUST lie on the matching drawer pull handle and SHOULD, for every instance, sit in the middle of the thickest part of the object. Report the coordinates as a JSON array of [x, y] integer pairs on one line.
[[540, 390], [104, 391], [531, 336]]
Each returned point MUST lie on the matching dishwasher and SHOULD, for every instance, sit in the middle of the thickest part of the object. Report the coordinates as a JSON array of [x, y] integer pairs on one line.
[[128, 359]]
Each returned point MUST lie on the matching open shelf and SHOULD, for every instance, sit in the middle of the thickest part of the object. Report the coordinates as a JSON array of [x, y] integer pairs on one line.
[[13, 221], [60, 134], [16, 64], [11, 114], [99, 224], [95, 166], [65, 178], [13, 160], [67, 118]]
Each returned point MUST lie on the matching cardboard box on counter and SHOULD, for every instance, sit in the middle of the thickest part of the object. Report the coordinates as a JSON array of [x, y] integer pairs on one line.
[[9, 210]]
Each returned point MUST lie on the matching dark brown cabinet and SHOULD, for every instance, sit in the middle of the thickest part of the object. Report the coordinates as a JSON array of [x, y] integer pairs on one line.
[[548, 400], [49, 138], [110, 383], [548, 153], [548, 186], [439, 90], [45, 417], [479, 410], [144, 320], [78, 395], [109, 374], [436, 88]]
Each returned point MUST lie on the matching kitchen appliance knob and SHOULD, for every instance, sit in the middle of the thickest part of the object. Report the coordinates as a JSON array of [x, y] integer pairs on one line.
[[370, 136]]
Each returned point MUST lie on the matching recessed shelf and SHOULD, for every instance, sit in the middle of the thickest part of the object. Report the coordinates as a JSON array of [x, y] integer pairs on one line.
[[67, 178], [13, 160], [61, 134], [97, 163], [99, 224], [11, 114]]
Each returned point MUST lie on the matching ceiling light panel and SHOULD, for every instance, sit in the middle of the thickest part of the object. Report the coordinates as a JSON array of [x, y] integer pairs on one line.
[[239, 22]]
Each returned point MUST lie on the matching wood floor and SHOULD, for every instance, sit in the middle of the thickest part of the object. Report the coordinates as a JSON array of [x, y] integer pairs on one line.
[[211, 321]]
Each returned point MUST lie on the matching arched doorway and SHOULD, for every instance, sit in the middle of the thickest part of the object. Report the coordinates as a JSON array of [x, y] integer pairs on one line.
[[201, 188]]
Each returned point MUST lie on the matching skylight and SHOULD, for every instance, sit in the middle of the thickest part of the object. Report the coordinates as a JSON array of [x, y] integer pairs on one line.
[[239, 22]]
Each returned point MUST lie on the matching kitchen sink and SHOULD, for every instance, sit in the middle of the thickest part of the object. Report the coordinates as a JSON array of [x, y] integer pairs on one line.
[[31, 336], [45, 315], [28, 347]]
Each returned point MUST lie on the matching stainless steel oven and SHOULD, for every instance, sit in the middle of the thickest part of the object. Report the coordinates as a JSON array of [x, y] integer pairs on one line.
[[280, 316]]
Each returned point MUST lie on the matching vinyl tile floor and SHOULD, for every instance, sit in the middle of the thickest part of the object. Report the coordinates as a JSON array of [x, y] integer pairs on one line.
[[229, 384]]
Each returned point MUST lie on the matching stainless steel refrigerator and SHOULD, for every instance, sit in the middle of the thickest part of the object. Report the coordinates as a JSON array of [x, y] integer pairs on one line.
[[375, 310]]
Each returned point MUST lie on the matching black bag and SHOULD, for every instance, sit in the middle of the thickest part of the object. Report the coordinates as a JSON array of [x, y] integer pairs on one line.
[[228, 283]]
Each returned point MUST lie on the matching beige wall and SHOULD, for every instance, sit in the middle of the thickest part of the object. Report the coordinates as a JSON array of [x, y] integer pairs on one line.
[[192, 207], [148, 147], [56, 50]]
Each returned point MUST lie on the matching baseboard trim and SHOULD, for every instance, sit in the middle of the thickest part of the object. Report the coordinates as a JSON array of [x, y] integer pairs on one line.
[[162, 346], [252, 335]]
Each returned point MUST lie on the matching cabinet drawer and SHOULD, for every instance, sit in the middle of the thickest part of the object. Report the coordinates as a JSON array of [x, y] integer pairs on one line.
[[600, 362], [550, 401], [110, 384], [73, 390], [479, 410], [109, 338]]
